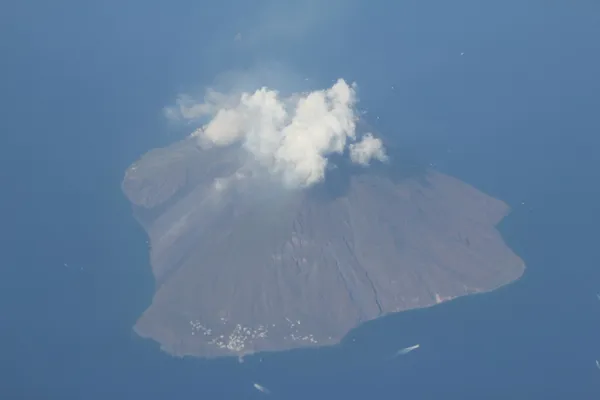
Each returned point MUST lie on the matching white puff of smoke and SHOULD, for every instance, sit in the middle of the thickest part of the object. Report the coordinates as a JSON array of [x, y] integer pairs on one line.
[[292, 136], [367, 149]]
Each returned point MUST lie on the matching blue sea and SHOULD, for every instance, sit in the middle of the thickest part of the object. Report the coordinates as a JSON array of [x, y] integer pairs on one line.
[[516, 115]]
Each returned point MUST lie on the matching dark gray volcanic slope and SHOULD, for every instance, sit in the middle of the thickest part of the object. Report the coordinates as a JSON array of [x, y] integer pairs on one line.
[[242, 268]]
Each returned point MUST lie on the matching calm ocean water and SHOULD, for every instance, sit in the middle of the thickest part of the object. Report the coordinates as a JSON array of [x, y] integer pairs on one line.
[[514, 116]]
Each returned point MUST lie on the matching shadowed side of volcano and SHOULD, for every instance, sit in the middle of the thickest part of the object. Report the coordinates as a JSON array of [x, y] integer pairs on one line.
[[400, 166], [243, 265]]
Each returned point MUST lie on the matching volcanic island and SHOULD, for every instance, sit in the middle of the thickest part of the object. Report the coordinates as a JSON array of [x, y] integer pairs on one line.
[[242, 267]]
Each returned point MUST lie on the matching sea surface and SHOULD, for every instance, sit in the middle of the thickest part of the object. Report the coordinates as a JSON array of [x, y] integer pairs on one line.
[[515, 115]]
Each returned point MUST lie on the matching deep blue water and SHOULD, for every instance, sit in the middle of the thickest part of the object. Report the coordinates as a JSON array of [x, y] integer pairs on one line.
[[82, 91]]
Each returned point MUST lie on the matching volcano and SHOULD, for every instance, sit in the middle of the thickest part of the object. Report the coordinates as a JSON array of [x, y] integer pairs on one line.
[[243, 265]]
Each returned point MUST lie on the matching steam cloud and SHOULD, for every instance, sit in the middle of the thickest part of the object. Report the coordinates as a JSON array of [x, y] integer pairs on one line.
[[292, 136], [369, 147]]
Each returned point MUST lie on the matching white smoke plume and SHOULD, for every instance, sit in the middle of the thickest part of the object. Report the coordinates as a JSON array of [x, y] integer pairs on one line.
[[367, 149], [292, 136]]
